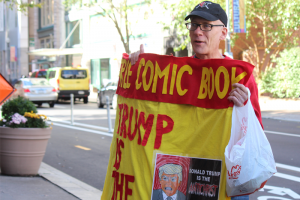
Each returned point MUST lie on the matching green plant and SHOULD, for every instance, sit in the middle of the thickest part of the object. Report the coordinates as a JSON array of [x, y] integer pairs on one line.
[[20, 5], [19, 105], [284, 79], [271, 26], [21, 113]]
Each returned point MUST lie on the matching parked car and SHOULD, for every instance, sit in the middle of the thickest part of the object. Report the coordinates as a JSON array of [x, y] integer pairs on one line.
[[37, 90], [70, 80], [110, 91], [42, 73]]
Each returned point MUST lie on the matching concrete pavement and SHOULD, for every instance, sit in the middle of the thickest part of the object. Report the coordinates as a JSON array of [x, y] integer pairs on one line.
[[282, 109], [29, 188], [54, 184], [50, 184]]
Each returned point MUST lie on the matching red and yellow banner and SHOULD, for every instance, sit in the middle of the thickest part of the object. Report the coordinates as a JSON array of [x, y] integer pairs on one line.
[[172, 126]]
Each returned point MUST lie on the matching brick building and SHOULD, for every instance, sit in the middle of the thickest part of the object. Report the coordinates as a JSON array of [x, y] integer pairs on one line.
[[46, 31]]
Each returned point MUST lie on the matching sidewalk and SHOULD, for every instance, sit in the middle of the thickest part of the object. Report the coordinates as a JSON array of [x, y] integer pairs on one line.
[[53, 184], [280, 108]]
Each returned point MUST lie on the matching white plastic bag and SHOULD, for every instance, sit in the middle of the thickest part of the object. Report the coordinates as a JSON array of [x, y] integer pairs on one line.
[[248, 155]]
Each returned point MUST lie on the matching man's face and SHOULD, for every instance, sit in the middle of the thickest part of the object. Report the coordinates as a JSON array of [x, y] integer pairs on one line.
[[206, 43], [169, 183]]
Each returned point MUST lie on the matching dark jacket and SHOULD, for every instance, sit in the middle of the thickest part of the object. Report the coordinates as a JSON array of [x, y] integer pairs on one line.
[[157, 195]]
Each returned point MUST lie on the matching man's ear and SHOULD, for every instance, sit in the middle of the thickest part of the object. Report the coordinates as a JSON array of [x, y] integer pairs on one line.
[[224, 33]]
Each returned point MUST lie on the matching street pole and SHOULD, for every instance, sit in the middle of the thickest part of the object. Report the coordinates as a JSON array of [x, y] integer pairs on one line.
[[228, 49], [108, 114], [72, 104]]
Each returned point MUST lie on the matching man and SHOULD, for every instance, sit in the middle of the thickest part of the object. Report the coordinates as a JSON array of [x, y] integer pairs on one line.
[[170, 178], [207, 28]]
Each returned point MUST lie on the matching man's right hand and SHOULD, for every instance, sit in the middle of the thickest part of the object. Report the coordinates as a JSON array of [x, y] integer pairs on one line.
[[133, 57]]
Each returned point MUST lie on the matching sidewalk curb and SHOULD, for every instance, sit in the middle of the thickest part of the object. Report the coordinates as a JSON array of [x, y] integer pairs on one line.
[[68, 183]]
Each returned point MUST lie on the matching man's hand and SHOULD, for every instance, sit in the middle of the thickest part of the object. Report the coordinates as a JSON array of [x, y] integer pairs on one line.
[[238, 95], [133, 57]]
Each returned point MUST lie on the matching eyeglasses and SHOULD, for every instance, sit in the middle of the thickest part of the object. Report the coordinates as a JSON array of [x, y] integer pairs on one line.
[[203, 27]]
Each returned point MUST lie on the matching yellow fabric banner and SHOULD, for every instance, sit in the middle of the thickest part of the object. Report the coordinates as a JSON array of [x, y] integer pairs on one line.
[[165, 149]]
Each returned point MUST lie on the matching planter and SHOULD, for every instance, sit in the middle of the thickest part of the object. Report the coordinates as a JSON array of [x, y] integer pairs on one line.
[[22, 150]]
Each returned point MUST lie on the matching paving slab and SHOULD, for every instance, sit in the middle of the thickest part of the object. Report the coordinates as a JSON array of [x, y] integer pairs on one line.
[[50, 184], [29, 188], [68, 183], [283, 109]]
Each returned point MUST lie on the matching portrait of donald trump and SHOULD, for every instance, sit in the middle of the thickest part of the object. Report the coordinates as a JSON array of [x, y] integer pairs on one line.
[[170, 178]]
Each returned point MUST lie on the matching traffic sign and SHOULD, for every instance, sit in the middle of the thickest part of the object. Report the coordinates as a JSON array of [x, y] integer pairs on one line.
[[6, 89]]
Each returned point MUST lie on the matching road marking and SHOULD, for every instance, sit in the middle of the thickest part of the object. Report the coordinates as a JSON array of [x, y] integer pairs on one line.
[[84, 129], [271, 197], [280, 133], [58, 106], [298, 126], [286, 176], [297, 169], [81, 124], [106, 129], [92, 126], [81, 147], [279, 191], [280, 175]]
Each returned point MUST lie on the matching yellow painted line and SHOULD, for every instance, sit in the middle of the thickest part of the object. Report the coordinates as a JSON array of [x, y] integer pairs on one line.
[[81, 147], [298, 126]]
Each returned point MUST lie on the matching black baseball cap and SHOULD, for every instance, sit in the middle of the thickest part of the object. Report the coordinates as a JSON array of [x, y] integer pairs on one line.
[[209, 11]]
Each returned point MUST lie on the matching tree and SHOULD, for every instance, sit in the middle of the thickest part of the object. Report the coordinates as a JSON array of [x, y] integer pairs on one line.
[[271, 26], [22, 6], [283, 80], [116, 11], [176, 24]]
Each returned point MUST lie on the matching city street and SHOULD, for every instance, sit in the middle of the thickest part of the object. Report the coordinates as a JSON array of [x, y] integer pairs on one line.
[[82, 150], [168, 58]]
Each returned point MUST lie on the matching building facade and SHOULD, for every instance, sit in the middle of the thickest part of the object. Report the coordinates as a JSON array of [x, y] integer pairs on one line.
[[23, 32], [101, 43], [46, 31], [13, 42]]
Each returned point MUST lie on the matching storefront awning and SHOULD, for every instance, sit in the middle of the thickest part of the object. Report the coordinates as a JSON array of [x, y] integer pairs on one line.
[[55, 52]]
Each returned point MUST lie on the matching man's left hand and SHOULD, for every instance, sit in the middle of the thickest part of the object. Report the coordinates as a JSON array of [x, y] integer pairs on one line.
[[238, 95]]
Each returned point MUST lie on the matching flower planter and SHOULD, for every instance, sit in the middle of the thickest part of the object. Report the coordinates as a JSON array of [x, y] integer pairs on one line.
[[22, 150]]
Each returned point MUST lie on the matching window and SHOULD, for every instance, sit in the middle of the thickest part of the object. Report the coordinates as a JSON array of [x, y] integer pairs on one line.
[[42, 74], [33, 74], [47, 42], [73, 74], [75, 37], [42, 43], [47, 16], [52, 74], [34, 82]]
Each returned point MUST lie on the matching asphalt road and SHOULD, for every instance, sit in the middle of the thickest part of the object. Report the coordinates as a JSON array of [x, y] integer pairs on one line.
[[286, 151], [84, 153]]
